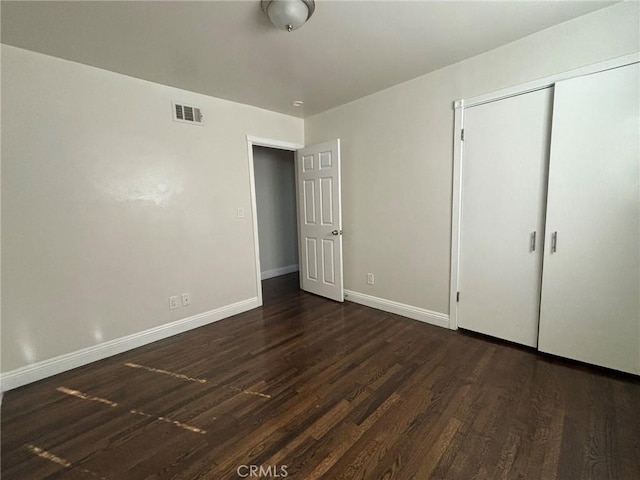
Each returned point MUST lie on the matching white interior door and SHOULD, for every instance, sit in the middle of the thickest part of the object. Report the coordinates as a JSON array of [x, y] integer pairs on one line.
[[320, 219], [504, 176], [591, 287]]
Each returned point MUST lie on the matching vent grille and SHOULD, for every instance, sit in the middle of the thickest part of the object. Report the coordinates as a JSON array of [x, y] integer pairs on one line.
[[187, 114]]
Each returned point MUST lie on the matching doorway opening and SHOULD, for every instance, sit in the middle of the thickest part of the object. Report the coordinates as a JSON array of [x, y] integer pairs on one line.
[[318, 210], [273, 197], [275, 192]]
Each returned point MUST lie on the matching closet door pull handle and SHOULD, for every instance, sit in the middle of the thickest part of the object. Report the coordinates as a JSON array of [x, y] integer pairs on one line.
[[533, 241], [554, 242]]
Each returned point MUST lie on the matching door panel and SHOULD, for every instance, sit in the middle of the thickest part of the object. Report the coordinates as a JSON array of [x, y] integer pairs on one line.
[[590, 307], [320, 219], [328, 254], [309, 202], [326, 206], [504, 175], [311, 256]]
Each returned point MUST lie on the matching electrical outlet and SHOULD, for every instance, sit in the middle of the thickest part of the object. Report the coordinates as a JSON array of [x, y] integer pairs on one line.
[[173, 302], [369, 278], [186, 299]]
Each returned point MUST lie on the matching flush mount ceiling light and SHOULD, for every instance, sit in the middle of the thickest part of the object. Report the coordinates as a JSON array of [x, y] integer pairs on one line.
[[288, 15]]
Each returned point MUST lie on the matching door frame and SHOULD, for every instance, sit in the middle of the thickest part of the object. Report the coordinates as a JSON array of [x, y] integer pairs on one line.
[[270, 143], [458, 153]]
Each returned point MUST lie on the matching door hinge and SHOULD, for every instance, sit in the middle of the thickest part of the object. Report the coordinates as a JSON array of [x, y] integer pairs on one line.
[[457, 296], [462, 134]]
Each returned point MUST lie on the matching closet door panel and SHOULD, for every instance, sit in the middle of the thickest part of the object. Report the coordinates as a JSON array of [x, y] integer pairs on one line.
[[504, 170], [590, 309]]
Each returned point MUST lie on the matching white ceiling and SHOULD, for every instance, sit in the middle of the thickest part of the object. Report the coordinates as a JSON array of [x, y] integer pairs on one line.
[[228, 49]]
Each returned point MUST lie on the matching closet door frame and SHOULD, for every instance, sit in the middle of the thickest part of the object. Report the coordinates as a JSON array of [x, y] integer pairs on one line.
[[458, 152]]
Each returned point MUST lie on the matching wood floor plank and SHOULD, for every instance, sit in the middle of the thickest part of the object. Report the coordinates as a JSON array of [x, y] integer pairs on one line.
[[330, 391]]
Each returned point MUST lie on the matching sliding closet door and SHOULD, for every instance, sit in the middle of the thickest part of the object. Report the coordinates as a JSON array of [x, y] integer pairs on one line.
[[504, 169], [591, 287]]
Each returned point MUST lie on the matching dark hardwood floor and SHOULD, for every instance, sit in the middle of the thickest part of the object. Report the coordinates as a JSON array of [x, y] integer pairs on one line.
[[313, 389]]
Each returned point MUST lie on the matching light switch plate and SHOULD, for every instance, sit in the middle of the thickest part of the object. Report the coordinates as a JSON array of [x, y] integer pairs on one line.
[[173, 302]]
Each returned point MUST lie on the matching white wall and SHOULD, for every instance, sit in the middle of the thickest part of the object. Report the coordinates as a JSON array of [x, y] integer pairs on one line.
[[109, 207], [397, 153], [275, 179]]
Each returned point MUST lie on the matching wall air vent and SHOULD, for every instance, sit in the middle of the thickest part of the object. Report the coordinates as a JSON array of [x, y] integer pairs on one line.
[[187, 114]]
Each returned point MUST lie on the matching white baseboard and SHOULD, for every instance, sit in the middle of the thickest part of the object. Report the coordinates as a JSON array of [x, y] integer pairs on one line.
[[416, 313], [276, 272], [47, 368]]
